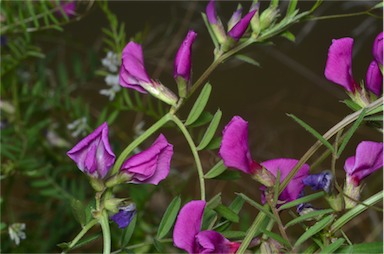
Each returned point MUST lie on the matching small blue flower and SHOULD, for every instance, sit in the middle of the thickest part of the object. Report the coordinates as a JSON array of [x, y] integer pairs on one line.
[[124, 216], [321, 181]]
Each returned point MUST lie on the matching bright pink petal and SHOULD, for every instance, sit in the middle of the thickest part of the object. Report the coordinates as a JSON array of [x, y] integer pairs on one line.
[[152, 165], [93, 154], [374, 79], [368, 159], [183, 57], [239, 29], [285, 165], [338, 68], [211, 12], [377, 48], [234, 149], [188, 225]]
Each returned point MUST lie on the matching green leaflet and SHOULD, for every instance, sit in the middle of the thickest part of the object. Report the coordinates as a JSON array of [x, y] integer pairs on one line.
[[211, 130], [320, 225], [217, 170], [199, 105], [169, 218]]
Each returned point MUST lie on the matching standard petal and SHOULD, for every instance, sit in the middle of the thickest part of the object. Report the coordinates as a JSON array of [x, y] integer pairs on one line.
[[235, 18], [211, 12], [234, 149], [377, 48], [133, 61], [285, 165], [338, 68], [239, 29], [126, 80], [152, 165], [183, 57], [188, 225], [374, 79], [93, 154], [368, 159]]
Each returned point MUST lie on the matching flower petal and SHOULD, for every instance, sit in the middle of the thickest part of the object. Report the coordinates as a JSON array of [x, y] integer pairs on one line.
[[234, 148], [321, 181], [210, 241], [124, 216], [188, 225], [377, 48], [374, 79], [211, 12], [93, 154], [368, 159], [338, 68], [183, 57], [235, 18], [285, 165], [132, 72], [152, 165], [239, 29]]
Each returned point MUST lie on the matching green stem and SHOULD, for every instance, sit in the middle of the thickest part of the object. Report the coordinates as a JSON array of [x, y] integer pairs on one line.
[[252, 231], [138, 141], [81, 234], [106, 232], [331, 132], [192, 145]]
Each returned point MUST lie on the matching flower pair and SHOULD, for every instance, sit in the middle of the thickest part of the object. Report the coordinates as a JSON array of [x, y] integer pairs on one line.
[[187, 234], [339, 68], [234, 151], [237, 26], [94, 156], [133, 74]]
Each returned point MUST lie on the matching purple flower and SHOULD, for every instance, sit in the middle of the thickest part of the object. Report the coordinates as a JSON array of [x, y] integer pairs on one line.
[[93, 155], [187, 234], [239, 29], [133, 75], [368, 159], [124, 216], [377, 49], [152, 165], [234, 149], [374, 79], [285, 165], [183, 57], [211, 12], [132, 72], [338, 68], [321, 181]]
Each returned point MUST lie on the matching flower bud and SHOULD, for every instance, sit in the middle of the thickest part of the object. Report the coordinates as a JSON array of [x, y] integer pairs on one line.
[[336, 201], [268, 17], [124, 216], [351, 190], [113, 204]]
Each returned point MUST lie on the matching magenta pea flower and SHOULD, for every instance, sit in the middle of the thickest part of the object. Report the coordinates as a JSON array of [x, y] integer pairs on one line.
[[285, 166], [368, 159], [133, 75], [377, 49], [237, 25], [183, 57], [339, 64], [149, 166], [187, 234], [93, 154], [234, 148], [339, 67]]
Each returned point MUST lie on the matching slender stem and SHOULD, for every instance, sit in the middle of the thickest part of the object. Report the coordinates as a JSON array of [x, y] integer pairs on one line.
[[335, 129], [280, 225], [81, 234], [251, 231], [138, 141], [340, 15], [196, 156], [106, 232]]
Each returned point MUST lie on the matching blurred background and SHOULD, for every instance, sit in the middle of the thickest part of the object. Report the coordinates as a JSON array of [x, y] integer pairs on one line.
[[289, 79]]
